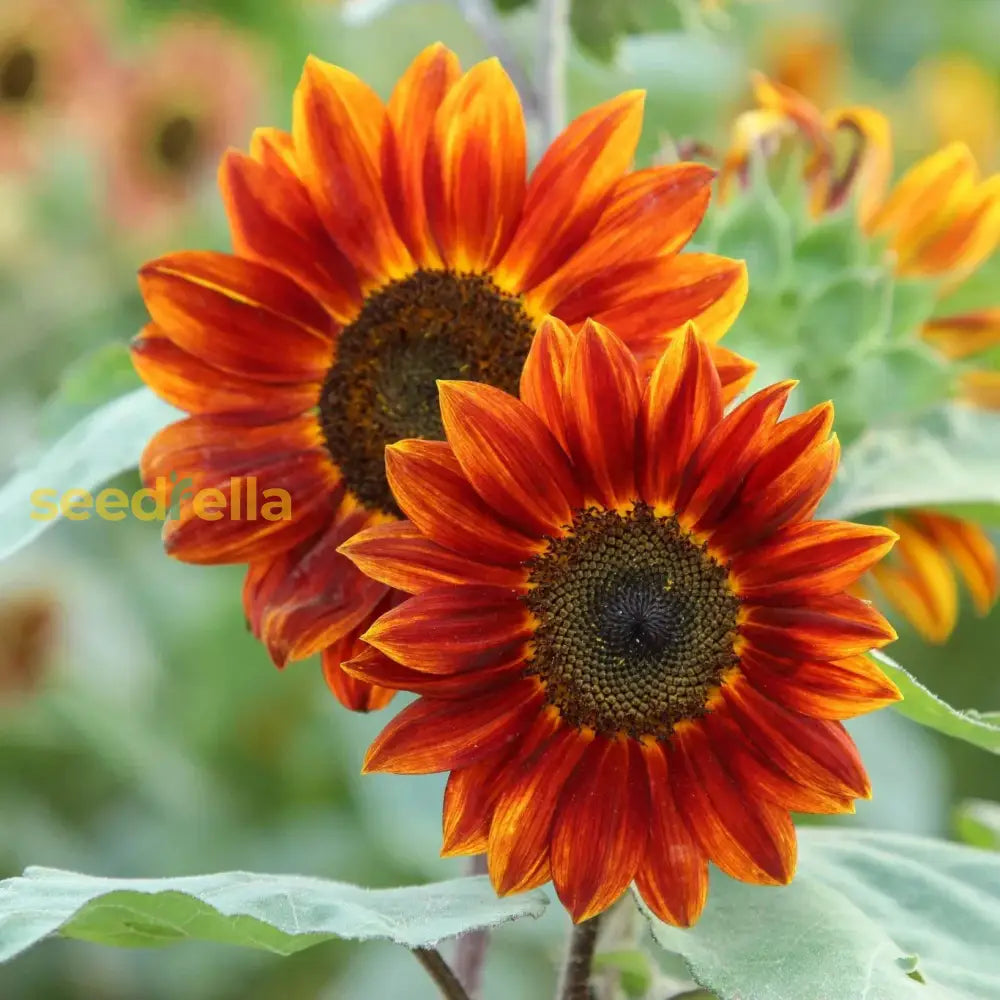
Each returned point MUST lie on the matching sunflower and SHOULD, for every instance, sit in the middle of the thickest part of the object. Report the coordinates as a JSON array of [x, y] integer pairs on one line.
[[171, 120], [378, 248], [940, 222], [631, 641]]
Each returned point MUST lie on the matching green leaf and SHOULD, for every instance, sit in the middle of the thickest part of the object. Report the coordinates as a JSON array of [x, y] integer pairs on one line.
[[634, 969], [929, 710], [912, 304], [869, 916], [101, 446], [977, 822], [277, 913], [948, 461], [832, 244]]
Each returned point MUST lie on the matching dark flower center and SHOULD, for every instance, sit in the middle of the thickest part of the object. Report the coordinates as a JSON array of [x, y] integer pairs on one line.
[[18, 75], [636, 622], [430, 325], [177, 144]]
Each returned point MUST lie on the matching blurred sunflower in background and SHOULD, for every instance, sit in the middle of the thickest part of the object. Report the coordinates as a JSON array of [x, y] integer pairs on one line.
[[170, 121], [940, 222], [55, 70], [631, 640], [380, 248]]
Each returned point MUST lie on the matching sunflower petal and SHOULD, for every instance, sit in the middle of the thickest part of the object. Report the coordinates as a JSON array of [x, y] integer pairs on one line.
[[509, 457], [469, 798], [570, 188], [601, 827], [453, 629], [543, 374], [401, 556], [673, 876], [432, 735], [474, 191], [602, 397], [969, 548]]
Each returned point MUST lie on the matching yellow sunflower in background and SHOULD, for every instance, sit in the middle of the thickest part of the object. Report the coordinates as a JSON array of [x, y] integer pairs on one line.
[[380, 247], [631, 641], [940, 221]]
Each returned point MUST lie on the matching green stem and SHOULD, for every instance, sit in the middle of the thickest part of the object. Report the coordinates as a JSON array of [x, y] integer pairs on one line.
[[439, 970], [470, 949], [551, 70]]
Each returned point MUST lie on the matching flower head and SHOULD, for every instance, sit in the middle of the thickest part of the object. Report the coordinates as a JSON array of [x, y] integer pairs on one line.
[[631, 640], [379, 248]]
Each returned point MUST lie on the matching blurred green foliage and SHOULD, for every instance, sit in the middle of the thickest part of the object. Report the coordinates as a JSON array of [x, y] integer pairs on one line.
[[159, 739]]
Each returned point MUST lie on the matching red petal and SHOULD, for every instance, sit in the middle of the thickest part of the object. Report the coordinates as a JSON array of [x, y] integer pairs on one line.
[[746, 836], [412, 107], [353, 693], [239, 316], [432, 735], [474, 172], [543, 374], [823, 628], [600, 830], [814, 558], [431, 489], [469, 798], [520, 833], [453, 629], [570, 188], [274, 222], [401, 556], [673, 876], [682, 402], [190, 384], [338, 122], [509, 457]]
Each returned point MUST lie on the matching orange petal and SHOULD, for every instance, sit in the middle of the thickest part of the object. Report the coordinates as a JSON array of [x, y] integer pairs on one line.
[[714, 473], [652, 212], [475, 168], [815, 752], [190, 384], [962, 336], [520, 833], [647, 301], [543, 374], [509, 457], [735, 371], [401, 556], [353, 693], [452, 629], [752, 768], [432, 735], [870, 167], [469, 798], [239, 316], [602, 397], [982, 389], [673, 876], [338, 122], [969, 548], [821, 689], [601, 827], [682, 402], [431, 489], [823, 628], [745, 835], [570, 188], [317, 596], [274, 222], [411, 111], [816, 558]]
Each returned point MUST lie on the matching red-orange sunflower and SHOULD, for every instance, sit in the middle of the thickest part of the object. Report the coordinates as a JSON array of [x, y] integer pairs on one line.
[[378, 248], [632, 642]]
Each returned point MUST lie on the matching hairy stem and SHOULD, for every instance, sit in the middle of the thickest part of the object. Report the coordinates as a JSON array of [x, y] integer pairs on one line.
[[470, 951], [439, 970], [551, 73], [575, 984]]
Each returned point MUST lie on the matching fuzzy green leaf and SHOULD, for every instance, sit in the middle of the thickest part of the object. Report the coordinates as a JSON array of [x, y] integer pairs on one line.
[[869, 915], [277, 913]]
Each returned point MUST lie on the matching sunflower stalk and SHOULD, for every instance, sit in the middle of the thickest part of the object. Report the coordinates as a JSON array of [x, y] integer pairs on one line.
[[470, 950], [551, 72], [441, 972], [575, 981]]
